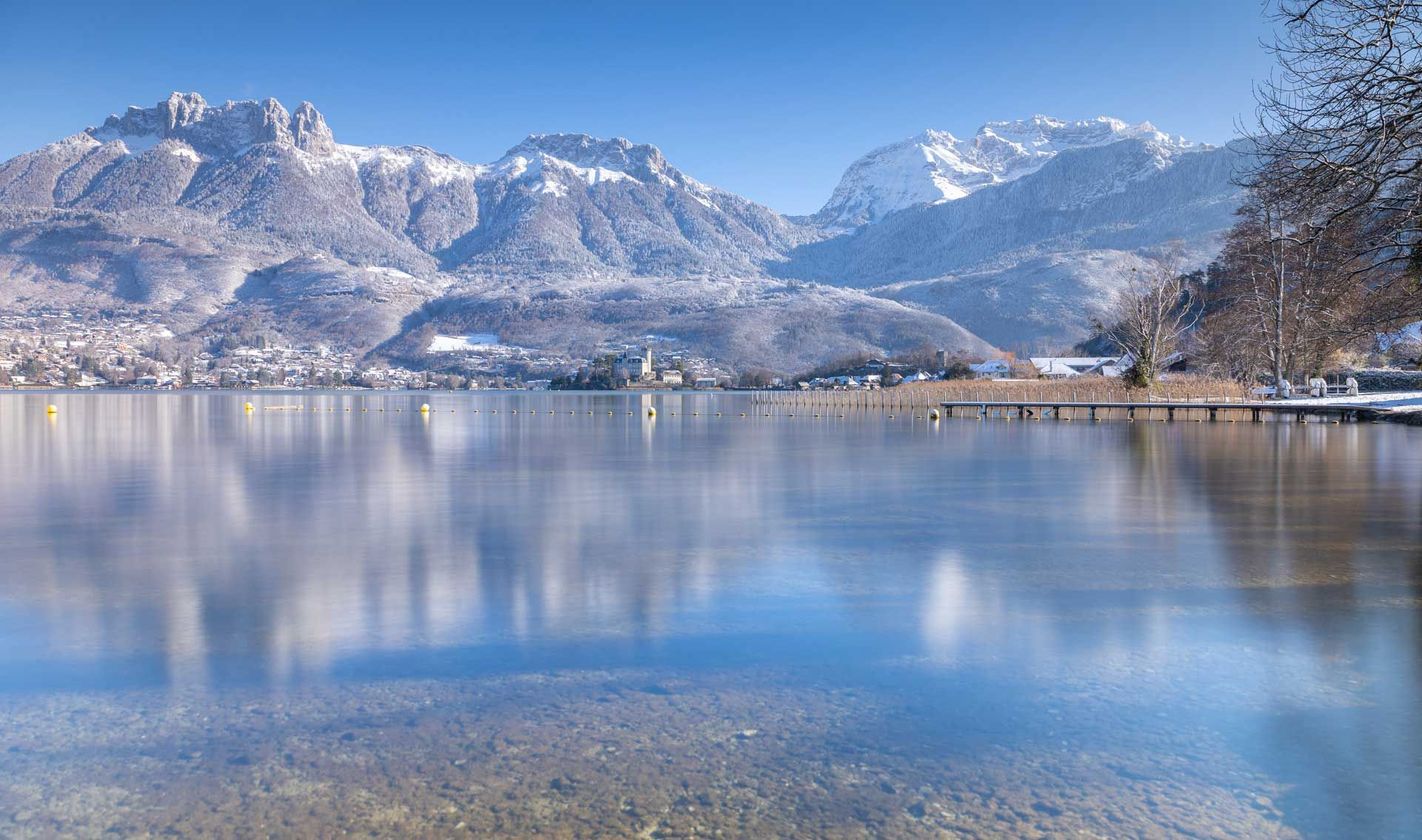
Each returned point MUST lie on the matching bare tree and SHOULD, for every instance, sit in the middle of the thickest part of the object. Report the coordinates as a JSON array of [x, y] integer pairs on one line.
[[1150, 315], [1340, 126], [1290, 291], [1329, 245]]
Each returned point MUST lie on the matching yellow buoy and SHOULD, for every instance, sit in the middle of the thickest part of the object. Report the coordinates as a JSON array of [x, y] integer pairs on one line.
[[651, 412], [245, 407], [51, 409], [424, 408], [933, 414]]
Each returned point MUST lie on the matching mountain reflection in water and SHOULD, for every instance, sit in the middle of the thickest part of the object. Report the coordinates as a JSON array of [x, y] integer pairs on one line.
[[1258, 581]]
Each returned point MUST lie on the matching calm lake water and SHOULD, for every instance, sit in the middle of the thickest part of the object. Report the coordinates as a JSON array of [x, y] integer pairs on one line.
[[570, 624]]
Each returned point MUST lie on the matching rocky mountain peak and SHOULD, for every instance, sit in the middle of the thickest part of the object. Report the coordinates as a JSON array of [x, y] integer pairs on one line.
[[183, 109], [227, 129], [309, 131], [176, 112]]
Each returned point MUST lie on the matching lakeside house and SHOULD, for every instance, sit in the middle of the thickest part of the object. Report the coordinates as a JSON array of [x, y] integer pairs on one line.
[[991, 369], [1065, 367]]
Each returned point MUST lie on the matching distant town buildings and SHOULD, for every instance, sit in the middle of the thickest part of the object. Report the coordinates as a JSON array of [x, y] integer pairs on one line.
[[53, 348]]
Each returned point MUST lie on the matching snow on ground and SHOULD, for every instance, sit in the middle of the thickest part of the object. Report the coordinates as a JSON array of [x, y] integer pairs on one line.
[[462, 343], [133, 144], [1410, 400], [387, 271], [438, 168]]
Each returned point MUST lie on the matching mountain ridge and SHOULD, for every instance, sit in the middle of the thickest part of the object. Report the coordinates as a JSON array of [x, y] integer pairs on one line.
[[192, 207], [935, 166]]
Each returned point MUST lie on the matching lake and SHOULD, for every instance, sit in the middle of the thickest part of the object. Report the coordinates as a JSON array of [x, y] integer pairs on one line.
[[576, 620]]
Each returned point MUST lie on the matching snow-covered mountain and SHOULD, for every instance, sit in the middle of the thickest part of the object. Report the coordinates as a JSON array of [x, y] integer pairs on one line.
[[240, 212], [1023, 234], [245, 213], [935, 166]]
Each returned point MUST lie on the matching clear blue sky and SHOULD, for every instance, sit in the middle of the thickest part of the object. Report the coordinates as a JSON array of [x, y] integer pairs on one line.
[[768, 99]]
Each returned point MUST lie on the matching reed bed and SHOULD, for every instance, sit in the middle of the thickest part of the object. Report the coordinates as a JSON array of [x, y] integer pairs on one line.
[[925, 395]]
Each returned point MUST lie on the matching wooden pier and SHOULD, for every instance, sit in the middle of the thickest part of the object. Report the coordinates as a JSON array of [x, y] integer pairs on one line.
[[1228, 411]]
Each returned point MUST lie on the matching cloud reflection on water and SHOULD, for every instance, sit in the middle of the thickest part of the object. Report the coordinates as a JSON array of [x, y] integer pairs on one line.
[[178, 527]]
